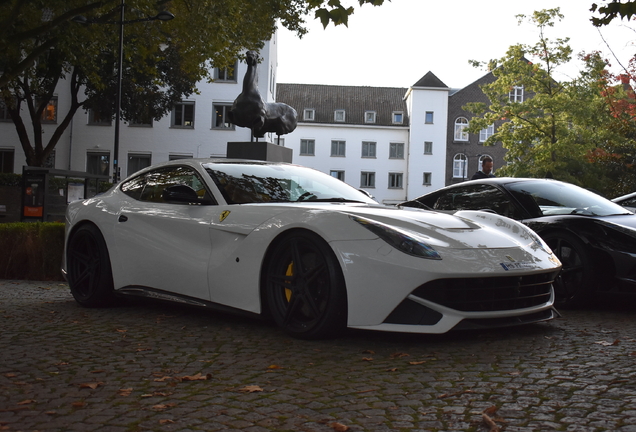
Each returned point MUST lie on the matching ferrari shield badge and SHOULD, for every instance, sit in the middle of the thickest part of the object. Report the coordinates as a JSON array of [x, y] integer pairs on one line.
[[224, 214]]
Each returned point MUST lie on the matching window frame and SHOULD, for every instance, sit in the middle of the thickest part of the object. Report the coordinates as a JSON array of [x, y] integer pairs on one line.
[[139, 156], [427, 178], [181, 106], [429, 117], [516, 94], [221, 75], [486, 133], [371, 149], [370, 117], [309, 114], [99, 154], [367, 179], [428, 144], [395, 115], [337, 114], [340, 145], [396, 180], [394, 150], [339, 174], [460, 160], [309, 144], [53, 102], [7, 160], [460, 134], [225, 123]]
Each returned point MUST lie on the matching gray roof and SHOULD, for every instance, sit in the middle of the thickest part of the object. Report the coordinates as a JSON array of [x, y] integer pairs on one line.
[[326, 99], [430, 80]]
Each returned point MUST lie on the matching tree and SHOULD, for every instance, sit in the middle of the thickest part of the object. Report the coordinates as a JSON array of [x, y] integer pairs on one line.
[[612, 10], [42, 44], [544, 132]]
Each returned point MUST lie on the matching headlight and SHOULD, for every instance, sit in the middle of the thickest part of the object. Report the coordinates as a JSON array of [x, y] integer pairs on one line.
[[399, 239]]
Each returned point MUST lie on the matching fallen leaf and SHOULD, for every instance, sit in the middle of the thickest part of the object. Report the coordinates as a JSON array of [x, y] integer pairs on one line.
[[339, 427], [392, 370], [50, 412], [251, 389], [162, 379], [162, 407], [98, 371], [165, 421], [125, 392], [274, 367], [78, 404], [417, 362], [121, 330], [10, 375], [368, 352], [367, 359], [399, 354], [26, 402], [196, 377], [91, 385]]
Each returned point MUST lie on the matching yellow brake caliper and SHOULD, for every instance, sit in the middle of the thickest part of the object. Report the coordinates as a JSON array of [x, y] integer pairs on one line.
[[289, 272]]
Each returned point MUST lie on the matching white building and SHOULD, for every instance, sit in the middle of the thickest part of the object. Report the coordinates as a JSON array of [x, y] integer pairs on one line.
[[197, 127], [388, 141]]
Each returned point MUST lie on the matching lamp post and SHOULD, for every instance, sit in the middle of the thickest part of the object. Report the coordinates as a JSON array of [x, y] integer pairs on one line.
[[161, 16]]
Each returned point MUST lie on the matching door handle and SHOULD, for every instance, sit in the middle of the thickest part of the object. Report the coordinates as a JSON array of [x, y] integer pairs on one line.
[[122, 218]]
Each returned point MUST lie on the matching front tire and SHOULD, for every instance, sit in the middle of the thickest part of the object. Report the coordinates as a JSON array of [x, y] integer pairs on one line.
[[574, 284], [304, 286], [89, 272]]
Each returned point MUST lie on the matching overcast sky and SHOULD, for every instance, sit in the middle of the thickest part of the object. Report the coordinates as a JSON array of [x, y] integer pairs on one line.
[[395, 44]]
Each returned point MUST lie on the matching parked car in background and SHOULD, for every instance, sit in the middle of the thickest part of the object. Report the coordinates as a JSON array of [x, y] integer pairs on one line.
[[628, 201], [594, 238], [304, 248]]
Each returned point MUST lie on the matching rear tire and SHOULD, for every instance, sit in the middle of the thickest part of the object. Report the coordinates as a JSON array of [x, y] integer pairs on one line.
[[304, 287], [89, 272], [575, 282]]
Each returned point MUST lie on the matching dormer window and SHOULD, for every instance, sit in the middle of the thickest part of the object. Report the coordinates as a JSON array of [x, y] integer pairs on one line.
[[369, 116], [398, 117], [309, 114], [339, 115]]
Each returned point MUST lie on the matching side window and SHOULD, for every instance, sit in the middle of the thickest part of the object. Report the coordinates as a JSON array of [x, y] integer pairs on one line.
[[478, 197], [151, 185]]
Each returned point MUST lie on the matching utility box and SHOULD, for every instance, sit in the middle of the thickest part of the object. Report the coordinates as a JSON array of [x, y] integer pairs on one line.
[[46, 192]]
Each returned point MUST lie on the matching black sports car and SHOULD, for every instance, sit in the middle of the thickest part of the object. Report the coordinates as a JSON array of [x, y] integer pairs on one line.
[[594, 238]]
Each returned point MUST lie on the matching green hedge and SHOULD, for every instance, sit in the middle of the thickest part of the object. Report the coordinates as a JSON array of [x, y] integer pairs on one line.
[[8, 179], [31, 251]]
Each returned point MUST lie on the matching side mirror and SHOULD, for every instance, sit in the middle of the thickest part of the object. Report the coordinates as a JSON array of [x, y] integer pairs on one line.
[[180, 194]]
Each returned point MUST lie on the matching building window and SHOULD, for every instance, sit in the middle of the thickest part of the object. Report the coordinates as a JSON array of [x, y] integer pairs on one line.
[[396, 151], [6, 160], [340, 175], [395, 180], [309, 114], [97, 163], [369, 116], [428, 118], [49, 115], [183, 115], [221, 120], [484, 134], [338, 148], [516, 94], [428, 147], [227, 74], [368, 149], [460, 125], [99, 117], [427, 179], [142, 119], [137, 162], [367, 179], [4, 112], [307, 147], [398, 117], [460, 166], [339, 115]]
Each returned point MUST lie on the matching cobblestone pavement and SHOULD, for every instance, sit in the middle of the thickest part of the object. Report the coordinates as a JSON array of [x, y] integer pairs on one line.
[[155, 367]]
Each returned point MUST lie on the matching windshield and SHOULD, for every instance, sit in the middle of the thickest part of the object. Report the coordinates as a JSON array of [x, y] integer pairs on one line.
[[242, 183], [558, 198]]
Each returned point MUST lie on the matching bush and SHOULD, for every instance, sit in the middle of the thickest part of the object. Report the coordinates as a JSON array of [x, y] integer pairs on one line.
[[31, 251]]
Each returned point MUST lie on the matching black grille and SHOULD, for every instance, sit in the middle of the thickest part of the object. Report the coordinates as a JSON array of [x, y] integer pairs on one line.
[[489, 293]]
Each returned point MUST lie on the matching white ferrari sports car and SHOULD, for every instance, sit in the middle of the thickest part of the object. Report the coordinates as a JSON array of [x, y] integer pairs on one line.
[[304, 249]]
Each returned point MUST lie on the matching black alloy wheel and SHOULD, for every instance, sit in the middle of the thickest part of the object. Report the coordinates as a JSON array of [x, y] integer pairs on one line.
[[89, 271], [573, 285], [305, 289]]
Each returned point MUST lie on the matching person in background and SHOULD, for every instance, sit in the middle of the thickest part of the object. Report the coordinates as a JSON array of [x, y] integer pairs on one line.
[[485, 171]]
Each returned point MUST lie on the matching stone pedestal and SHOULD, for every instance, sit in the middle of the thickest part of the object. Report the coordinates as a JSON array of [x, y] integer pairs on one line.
[[263, 151]]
